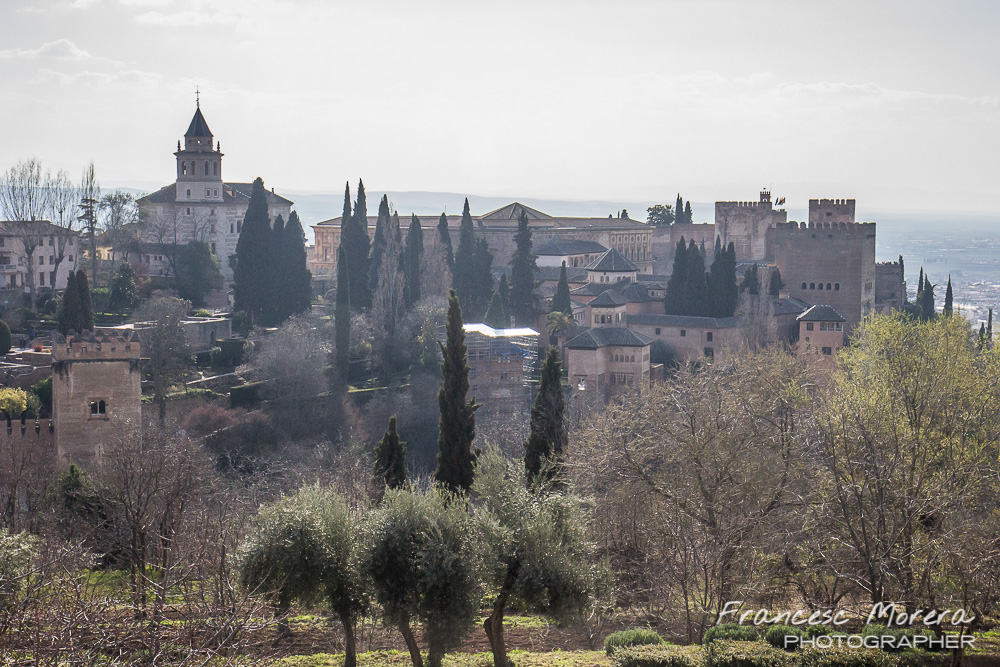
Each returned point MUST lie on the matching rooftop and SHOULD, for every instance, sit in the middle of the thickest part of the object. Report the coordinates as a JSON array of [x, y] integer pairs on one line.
[[486, 330], [569, 247], [692, 321], [198, 126], [612, 260], [608, 299], [593, 339], [821, 313]]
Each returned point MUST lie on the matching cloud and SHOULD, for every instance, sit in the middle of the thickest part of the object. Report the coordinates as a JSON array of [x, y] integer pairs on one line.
[[184, 18], [60, 49]]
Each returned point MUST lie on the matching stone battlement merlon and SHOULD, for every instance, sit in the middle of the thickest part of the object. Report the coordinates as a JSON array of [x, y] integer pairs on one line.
[[831, 202], [33, 428], [848, 228]]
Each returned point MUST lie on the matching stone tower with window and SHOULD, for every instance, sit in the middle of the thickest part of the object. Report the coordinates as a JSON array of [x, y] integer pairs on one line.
[[96, 393], [199, 166]]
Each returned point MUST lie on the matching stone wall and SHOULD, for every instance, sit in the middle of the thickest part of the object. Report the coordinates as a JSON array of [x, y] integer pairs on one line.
[[746, 224], [890, 287]]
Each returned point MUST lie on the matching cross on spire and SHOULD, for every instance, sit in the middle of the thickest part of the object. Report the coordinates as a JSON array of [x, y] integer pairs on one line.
[[197, 97]]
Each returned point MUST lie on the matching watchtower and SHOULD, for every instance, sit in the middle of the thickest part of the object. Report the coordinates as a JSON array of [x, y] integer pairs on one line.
[[96, 393]]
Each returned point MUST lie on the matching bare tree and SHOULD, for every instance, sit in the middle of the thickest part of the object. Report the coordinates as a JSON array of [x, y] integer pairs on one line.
[[26, 199], [120, 218], [158, 323], [65, 197], [90, 197]]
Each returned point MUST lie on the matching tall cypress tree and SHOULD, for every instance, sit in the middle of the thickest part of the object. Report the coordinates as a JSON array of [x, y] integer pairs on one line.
[[674, 301], [457, 430], [503, 289], [902, 273], [679, 210], [444, 236], [688, 218], [696, 287], [342, 315], [69, 308], [927, 300], [561, 302], [775, 283], [496, 315], [275, 311], [732, 286], [543, 451], [949, 299], [414, 260], [86, 322], [253, 257], [463, 275], [522, 275], [989, 329], [378, 244], [751, 281], [389, 470], [482, 278], [295, 274], [354, 238], [920, 285]]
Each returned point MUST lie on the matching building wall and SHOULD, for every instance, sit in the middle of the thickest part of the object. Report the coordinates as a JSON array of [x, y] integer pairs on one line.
[[85, 372], [702, 233], [890, 286], [823, 339], [829, 254], [695, 340], [14, 262], [831, 210], [745, 225], [607, 369]]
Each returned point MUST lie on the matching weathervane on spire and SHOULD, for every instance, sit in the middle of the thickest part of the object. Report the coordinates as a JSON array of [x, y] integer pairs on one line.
[[197, 97]]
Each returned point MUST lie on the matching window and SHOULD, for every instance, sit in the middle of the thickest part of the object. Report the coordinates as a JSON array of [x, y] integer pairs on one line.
[[215, 168], [52, 260], [804, 285], [194, 166], [70, 258], [708, 336], [232, 228], [52, 278], [208, 193], [597, 319], [827, 351], [211, 211], [1, 241], [657, 331], [189, 210], [189, 193], [828, 286], [206, 167], [51, 240], [809, 326], [684, 333], [812, 285], [98, 408], [184, 170], [836, 287], [41, 277]]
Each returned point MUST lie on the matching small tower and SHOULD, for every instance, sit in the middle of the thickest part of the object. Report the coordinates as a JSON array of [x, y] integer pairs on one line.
[[199, 166], [96, 393]]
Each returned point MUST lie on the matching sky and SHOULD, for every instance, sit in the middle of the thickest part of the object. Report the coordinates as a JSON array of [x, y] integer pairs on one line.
[[895, 104]]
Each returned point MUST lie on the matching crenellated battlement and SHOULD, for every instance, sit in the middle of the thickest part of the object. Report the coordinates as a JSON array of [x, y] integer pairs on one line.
[[846, 229], [87, 346], [831, 210], [38, 429]]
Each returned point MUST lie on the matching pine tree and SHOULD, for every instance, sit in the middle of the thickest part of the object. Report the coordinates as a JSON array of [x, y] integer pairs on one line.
[[674, 300], [378, 245], [522, 275], [496, 315], [86, 322], [69, 309], [688, 218], [444, 236], [389, 470], [414, 260], [751, 281], [949, 299], [296, 278], [776, 284], [927, 300], [357, 245], [561, 302], [457, 429], [342, 315], [253, 257], [543, 451]]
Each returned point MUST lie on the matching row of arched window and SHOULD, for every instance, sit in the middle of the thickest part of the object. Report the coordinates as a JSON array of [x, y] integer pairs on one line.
[[835, 287], [194, 168]]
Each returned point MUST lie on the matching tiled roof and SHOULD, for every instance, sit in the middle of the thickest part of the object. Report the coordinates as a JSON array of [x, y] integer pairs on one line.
[[651, 319], [637, 293], [788, 306], [608, 299], [198, 126], [570, 247], [590, 289], [593, 339], [234, 192], [573, 274], [513, 211], [33, 228], [821, 313], [612, 260]]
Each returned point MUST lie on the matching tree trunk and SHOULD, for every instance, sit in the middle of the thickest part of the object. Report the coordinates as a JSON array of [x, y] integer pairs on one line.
[[350, 642], [411, 643], [493, 625]]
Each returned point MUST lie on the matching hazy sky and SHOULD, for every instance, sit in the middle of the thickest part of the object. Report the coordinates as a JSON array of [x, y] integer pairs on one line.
[[894, 103]]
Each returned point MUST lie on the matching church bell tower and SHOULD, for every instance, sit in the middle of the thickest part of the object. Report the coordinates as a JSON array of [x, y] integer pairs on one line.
[[199, 166]]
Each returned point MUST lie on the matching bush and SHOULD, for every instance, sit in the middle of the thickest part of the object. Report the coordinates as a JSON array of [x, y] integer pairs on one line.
[[43, 390], [813, 631], [634, 637], [845, 657], [16, 553], [747, 654], [777, 636], [247, 395], [4, 338], [659, 655], [731, 632], [230, 352]]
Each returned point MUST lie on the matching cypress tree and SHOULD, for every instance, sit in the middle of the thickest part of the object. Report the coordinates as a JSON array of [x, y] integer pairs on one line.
[[982, 336], [920, 284], [561, 302], [902, 273], [989, 329], [86, 322], [504, 291], [751, 281], [414, 260], [378, 245], [253, 257], [342, 315], [522, 275], [295, 274], [674, 300], [275, 311], [69, 309], [688, 218], [457, 430], [445, 237], [679, 210], [696, 287], [732, 286], [543, 451], [354, 238], [389, 469], [463, 276], [496, 315], [716, 285], [776, 283], [949, 299], [483, 278], [927, 300]]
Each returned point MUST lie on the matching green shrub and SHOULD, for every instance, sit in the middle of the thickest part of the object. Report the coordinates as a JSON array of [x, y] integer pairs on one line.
[[247, 395], [4, 338], [777, 636], [633, 637], [658, 655], [814, 631], [721, 653], [845, 657], [731, 632], [43, 390]]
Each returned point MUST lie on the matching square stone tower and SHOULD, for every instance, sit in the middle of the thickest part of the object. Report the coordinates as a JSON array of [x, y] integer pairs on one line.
[[96, 393]]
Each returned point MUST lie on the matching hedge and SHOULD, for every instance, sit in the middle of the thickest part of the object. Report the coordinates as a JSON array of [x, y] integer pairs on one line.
[[731, 631], [634, 637], [659, 655], [722, 653], [777, 635]]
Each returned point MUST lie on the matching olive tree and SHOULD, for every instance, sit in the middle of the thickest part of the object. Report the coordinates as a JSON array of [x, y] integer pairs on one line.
[[423, 559], [303, 548], [537, 550]]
